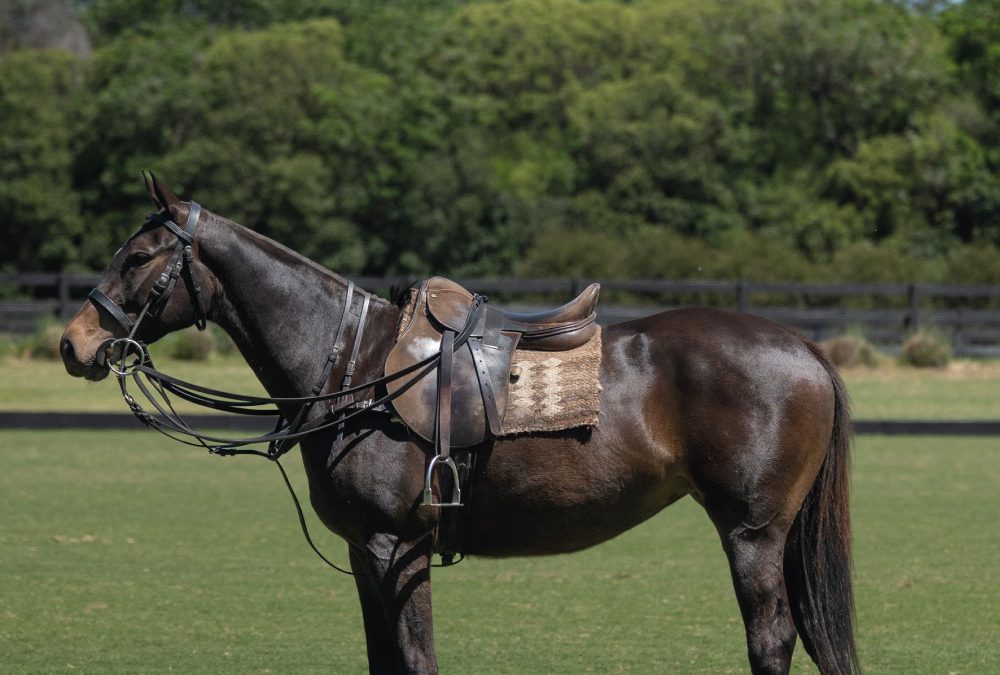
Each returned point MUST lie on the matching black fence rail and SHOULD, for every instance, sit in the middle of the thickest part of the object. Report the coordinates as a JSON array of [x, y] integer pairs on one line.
[[885, 313], [105, 421]]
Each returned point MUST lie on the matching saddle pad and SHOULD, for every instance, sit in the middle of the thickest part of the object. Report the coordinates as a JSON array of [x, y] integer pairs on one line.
[[555, 390]]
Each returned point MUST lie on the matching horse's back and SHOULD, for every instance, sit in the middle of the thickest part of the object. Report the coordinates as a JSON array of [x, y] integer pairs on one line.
[[704, 349]]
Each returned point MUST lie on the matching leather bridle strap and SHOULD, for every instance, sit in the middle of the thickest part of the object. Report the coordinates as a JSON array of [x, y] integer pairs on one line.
[[181, 263], [109, 306], [280, 447]]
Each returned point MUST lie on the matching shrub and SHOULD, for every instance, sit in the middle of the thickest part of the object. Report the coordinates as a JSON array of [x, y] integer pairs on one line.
[[44, 344], [223, 343], [926, 349], [9, 345], [847, 351], [191, 344]]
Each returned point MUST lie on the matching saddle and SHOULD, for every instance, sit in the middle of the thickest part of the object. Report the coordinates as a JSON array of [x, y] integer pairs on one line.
[[461, 402]]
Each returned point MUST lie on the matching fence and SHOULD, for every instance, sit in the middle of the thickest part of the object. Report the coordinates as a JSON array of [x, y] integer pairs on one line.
[[883, 312]]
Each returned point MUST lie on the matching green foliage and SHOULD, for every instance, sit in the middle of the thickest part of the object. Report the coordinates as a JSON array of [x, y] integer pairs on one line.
[[926, 349], [39, 209], [973, 27], [768, 139]]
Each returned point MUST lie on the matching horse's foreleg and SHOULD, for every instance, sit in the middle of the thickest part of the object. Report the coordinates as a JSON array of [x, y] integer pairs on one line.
[[393, 580]]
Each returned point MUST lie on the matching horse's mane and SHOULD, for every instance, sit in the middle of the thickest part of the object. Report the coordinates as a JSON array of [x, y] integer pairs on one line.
[[399, 291]]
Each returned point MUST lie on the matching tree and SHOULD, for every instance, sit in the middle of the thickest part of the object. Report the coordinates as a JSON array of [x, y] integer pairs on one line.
[[39, 209]]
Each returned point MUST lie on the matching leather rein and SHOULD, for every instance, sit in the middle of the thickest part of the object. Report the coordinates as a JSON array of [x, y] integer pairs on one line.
[[155, 385]]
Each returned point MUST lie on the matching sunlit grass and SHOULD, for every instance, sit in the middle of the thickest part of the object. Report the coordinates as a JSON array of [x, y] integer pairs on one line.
[[966, 390], [121, 553]]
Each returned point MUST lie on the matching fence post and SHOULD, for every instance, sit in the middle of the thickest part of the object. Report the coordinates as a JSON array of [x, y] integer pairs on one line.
[[63, 282], [742, 297], [913, 295]]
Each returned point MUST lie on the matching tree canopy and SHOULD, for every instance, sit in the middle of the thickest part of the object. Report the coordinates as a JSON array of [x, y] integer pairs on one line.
[[767, 139]]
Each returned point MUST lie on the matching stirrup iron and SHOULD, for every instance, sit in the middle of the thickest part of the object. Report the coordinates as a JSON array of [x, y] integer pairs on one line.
[[456, 492]]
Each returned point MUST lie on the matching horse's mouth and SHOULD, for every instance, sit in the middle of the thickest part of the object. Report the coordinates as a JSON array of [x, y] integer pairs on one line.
[[97, 371], [93, 371]]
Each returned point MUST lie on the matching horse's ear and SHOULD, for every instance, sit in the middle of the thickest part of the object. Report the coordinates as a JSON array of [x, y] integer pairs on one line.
[[158, 191]]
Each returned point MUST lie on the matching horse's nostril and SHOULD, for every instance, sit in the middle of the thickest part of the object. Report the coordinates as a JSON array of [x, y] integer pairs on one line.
[[67, 350]]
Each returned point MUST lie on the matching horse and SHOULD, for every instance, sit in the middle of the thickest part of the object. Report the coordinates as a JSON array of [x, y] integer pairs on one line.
[[744, 415]]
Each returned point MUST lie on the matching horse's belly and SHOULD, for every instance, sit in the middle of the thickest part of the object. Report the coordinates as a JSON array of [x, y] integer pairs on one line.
[[555, 498]]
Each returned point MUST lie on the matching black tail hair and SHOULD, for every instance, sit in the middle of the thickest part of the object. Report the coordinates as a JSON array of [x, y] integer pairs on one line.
[[818, 565]]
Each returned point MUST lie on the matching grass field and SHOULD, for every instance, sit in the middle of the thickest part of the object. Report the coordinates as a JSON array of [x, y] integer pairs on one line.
[[966, 390], [123, 553]]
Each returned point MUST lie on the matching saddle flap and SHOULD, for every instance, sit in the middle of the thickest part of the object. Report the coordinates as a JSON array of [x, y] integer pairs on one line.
[[421, 338]]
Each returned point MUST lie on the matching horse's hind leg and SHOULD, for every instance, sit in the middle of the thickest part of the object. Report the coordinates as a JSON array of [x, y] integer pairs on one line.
[[756, 561]]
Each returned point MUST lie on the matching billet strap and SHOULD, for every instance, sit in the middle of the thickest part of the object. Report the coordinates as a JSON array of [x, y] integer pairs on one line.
[[485, 386], [442, 432]]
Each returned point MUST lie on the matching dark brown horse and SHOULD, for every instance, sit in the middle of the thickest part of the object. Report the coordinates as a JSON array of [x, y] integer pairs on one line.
[[742, 414]]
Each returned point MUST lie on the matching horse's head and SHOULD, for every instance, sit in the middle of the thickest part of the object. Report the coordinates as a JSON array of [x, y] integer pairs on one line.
[[154, 285]]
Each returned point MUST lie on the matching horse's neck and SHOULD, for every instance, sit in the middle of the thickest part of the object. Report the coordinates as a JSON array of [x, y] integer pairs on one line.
[[283, 310]]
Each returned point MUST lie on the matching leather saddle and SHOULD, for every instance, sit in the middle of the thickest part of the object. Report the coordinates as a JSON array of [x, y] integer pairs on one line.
[[461, 402]]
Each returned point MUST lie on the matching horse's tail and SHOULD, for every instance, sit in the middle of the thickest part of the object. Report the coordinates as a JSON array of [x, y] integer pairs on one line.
[[818, 551]]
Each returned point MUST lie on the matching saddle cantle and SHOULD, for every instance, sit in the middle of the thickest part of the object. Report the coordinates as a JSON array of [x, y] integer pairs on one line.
[[480, 368]]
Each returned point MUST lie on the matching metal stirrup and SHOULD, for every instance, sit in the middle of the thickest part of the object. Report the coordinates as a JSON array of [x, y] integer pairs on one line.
[[456, 492]]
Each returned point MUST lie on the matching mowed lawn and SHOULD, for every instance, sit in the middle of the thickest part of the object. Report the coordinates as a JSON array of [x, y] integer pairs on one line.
[[966, 390], [121, 552]]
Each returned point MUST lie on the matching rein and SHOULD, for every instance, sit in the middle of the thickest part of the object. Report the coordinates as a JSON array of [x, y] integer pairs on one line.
[[155, 385]]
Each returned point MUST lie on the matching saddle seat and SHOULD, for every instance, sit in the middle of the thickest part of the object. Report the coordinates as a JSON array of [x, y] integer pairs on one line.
[[565, 327], [478, 376]]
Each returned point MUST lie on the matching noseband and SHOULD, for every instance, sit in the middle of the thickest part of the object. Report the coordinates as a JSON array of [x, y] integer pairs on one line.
[[181, 264]]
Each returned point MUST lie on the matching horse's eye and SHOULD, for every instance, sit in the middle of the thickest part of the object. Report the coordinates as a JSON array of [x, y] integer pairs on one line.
[[137, 260]]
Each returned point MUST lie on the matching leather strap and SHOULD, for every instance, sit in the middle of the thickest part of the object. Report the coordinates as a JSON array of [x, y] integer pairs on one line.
[[349, 371], [442, 434], [194, 290], [485, 385], [108, 305]]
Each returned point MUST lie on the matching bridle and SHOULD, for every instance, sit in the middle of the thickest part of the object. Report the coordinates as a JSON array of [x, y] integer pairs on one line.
[[181, 264], [155, 385]]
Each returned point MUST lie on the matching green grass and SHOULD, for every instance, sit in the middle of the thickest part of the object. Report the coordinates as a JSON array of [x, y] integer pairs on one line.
[[967, 390], [121, 552], [38, 384]]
